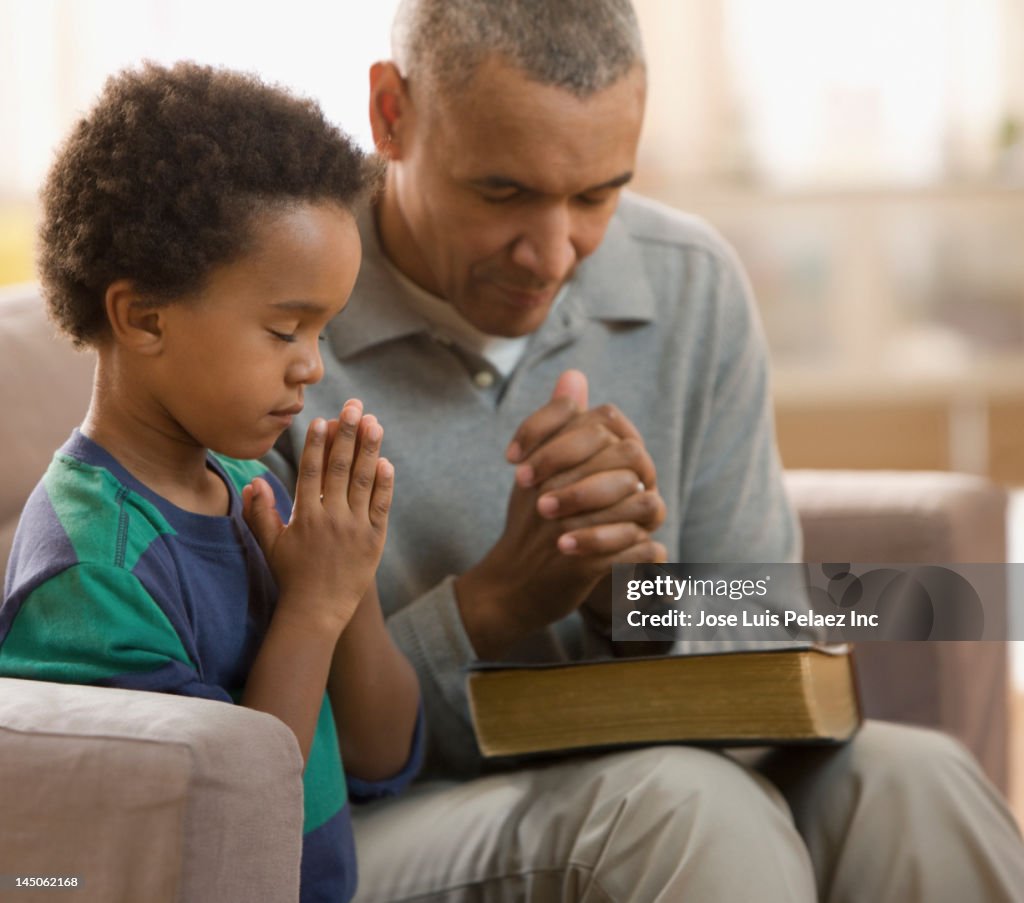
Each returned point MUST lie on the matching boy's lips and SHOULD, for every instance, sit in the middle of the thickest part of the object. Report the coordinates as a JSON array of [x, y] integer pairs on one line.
[[289, 412], [286, 414]]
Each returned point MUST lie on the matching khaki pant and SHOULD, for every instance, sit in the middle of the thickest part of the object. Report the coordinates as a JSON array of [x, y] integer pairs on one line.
[[899, 814]]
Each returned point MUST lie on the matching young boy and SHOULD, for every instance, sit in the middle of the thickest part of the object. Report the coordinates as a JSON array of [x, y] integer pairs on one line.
[[198, 233]]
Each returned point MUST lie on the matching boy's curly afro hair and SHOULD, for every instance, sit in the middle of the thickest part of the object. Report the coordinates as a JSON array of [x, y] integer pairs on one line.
[[160, 183]]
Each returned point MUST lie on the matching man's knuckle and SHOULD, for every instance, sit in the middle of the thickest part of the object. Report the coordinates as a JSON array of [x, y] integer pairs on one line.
[[633, 450], [660, 509], [570, 498], [541, 463], [649, 504], [559, 481], [604, 436]]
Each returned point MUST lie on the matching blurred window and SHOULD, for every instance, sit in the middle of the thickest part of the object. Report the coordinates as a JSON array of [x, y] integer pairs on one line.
[[57, 54], [799, 94], [869, 92]]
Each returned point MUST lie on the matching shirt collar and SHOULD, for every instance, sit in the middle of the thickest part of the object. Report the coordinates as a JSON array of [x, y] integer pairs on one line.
[[450, 327], [376, 312], [612, 281]]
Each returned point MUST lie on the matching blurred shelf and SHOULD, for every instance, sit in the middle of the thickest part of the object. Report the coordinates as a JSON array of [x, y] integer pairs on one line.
[[998, 379], [694, 195], [894, 316]]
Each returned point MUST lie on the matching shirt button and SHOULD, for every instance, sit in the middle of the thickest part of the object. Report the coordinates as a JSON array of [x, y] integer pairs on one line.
[[484, 379]]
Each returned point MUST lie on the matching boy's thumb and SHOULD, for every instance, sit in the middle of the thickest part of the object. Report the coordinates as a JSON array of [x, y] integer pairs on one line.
[[260, 513]]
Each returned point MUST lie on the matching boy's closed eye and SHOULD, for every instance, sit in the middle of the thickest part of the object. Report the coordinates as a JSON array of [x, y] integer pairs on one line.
[[299, 316], [284, 336], [292, 336]]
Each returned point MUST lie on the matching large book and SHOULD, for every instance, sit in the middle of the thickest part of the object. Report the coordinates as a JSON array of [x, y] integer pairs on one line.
[[778, 696]]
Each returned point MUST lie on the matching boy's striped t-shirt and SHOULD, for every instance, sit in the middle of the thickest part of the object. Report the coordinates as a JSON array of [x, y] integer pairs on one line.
[[112, 585]]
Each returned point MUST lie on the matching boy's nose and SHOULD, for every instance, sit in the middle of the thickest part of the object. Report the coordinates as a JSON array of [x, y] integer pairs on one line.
[[310, 368]]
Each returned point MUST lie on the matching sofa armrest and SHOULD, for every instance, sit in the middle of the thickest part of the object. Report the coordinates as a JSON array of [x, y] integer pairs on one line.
[[910, 517], [898, 517], [148, 796]]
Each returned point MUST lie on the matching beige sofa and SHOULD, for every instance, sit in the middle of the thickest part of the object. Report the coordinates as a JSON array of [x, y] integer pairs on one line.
[[151, 797]]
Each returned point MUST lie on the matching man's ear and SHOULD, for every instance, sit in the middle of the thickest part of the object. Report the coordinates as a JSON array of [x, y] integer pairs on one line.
[[390, 109], [133, 324]]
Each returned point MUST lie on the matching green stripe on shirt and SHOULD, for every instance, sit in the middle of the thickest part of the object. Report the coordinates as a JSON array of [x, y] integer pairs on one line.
[[96, 512], [88, 623]]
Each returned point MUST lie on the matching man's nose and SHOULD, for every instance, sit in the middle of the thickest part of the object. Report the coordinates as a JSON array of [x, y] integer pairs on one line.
[[546, 248]]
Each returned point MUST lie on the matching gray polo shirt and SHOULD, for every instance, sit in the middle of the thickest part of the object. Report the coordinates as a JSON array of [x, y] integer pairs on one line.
[[661, 320]]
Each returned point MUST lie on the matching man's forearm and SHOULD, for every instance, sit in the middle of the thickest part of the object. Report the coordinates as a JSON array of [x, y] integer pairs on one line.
[[487, 610]]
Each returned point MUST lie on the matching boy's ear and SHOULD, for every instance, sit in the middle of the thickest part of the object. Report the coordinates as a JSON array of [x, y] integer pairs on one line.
[[133, 323], [390, 107]]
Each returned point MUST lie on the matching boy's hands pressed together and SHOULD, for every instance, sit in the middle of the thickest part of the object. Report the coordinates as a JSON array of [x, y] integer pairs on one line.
[[325, 558]]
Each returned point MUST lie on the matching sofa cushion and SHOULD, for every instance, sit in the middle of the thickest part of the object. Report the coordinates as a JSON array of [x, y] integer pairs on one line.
[[47, 384]]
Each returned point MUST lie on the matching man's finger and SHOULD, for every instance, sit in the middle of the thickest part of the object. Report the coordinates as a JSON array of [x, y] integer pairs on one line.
[[541, 425], [625, 454], [548, 459], [645, 509], [602, 540], [591, 494], [568, 399], [570, 448], [572, 384], [645, 552]]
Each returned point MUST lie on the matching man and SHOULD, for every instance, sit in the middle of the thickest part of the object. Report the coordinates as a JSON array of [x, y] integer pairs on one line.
[[506, 280]]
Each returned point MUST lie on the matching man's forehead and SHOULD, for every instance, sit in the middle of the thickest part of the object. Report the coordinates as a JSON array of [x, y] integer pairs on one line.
[[507, 126], [496, 79]]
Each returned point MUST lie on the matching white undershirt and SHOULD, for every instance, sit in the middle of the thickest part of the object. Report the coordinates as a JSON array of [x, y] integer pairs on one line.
[[449, 326]]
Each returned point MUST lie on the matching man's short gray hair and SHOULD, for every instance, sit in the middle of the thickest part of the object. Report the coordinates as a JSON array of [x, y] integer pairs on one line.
[[580, 45]]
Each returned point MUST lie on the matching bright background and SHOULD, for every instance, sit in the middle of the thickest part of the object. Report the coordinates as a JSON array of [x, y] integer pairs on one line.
[[866, 159]]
